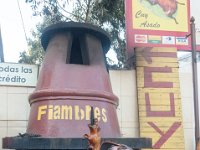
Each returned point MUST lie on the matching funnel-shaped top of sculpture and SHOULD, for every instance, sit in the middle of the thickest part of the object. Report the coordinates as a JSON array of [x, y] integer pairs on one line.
[[75, 58], [77, 29]]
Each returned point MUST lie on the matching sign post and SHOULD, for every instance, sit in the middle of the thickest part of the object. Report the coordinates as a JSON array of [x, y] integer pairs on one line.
[[195, 78]]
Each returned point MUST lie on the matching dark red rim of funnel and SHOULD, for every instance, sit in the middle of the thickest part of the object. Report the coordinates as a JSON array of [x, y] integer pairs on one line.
[[76, 28]]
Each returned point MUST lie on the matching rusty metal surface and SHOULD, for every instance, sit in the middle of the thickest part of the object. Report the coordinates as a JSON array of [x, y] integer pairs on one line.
[[69, 143], [73, 77]]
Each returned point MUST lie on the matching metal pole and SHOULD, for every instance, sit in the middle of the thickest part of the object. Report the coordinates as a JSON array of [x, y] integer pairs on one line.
[[1, 48], [195, 79]]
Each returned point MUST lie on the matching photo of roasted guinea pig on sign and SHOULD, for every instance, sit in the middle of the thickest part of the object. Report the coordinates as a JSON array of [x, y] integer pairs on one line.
[[169, 7]]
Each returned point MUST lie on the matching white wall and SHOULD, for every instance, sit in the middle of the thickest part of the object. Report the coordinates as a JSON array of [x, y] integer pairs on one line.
[[14, 110], [186, 85], [124, 86]]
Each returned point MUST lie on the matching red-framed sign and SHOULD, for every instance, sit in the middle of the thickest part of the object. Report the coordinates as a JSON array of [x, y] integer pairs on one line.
[[163, 23]]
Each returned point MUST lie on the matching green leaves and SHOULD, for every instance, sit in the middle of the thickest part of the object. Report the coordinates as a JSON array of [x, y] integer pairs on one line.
[[108, 14]]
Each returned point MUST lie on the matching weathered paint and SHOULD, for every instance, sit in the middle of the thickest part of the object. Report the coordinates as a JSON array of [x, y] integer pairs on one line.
[[71, 80], [159, 99]]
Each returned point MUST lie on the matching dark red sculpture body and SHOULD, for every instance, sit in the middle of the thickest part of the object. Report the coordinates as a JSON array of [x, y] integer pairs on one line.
[[73, 77]]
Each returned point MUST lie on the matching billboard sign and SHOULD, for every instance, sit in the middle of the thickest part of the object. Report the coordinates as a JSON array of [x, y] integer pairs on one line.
[[18, 74], [162, 23]]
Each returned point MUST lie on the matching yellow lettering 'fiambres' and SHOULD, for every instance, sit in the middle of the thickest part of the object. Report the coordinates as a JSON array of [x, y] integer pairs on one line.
[[41, 111], [69, 112]]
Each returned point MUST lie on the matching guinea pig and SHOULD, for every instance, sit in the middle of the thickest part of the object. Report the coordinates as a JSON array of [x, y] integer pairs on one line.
[[168, 6]]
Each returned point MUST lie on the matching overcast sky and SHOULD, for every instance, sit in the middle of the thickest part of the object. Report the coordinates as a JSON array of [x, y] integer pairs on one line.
[[13, 35], [195, 11], [12, 31]]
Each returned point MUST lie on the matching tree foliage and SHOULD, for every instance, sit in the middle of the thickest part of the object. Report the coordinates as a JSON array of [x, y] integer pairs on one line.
[[35, 53], [108, 14]]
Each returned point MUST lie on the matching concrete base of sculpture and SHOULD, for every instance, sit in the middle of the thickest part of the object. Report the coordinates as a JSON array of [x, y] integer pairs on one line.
[[36, 143]]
